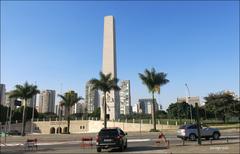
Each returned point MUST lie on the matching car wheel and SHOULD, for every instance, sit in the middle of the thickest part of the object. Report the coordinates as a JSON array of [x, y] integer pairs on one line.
[[99, 149], [192, 137], [216, 135]]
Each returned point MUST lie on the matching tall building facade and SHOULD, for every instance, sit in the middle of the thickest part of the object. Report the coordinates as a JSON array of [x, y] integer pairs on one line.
[[91, 98], [110, 66], [125, 97], [10, 101], [2, 94], [189, 100], [32, 101], [47, 101], [62, 110], [145, 106]]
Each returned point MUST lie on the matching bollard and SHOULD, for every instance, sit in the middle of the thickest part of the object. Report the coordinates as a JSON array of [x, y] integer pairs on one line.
[[167, 122], [176, 123], [133, 120], [168, 144]]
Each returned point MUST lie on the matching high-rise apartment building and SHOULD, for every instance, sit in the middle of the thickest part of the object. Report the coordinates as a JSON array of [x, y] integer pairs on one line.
[[125, 97], [2, 94], [32, 101], [47, 101], [145, 106], [91, 98]]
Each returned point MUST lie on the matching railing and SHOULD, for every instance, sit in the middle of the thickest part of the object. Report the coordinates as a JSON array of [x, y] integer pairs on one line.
[[143, 121]]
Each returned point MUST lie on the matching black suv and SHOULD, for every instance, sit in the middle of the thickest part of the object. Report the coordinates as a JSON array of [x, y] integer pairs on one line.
[[111, 138]]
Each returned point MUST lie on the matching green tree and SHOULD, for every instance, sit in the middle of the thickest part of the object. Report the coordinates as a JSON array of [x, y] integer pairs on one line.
[[3, 113], [68, 100], [161, 114], [48, 115], [19, 111], [106, 83], [178, 110], [153, 80], [222, 104], [96, 113], [24, 92]]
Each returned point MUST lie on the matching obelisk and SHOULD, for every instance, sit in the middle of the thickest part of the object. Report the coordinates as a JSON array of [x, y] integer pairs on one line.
[[110, 66]]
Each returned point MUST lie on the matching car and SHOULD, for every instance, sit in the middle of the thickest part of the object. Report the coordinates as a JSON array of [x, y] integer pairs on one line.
[[110, 138], [14, 132], [189, 131]]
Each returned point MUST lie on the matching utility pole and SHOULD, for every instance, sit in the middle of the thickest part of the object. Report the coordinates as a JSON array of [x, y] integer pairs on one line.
[[10, 117], [198, 124], [187, 101], [34, 99]]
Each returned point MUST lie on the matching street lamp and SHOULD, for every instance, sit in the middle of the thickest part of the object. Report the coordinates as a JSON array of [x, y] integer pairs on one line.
[[33, 99], [187, 100]]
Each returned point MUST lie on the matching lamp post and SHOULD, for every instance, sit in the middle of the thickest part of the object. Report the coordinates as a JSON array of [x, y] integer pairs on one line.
[[10, 117], [33, 99], [187, 100]]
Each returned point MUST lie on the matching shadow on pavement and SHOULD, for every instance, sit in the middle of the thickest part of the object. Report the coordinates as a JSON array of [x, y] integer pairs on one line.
[[139, 148], [22, 151]]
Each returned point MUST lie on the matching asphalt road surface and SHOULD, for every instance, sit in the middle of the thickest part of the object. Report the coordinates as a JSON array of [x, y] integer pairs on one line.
[[137, 143]]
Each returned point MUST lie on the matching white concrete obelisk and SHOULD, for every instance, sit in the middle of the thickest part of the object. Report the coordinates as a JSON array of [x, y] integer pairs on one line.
[[110, 66]]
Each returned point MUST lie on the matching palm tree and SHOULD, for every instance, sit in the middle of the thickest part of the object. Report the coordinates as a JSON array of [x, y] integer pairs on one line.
[[106, 83], [153, 80], [68, 100], [24, 92]]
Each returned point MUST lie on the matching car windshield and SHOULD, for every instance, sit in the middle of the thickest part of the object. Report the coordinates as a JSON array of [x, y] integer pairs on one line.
[[108, 132]]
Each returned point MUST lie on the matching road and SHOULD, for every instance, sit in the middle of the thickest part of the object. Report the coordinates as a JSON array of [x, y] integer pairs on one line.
[[137, 143]]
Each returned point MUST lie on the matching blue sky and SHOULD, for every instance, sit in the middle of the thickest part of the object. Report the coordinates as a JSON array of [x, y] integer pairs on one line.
[[53, 43]]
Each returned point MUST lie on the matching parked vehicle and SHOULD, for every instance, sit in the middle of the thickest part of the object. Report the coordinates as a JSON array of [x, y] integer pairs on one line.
[[14, 132], [109, 138], [189, 131]]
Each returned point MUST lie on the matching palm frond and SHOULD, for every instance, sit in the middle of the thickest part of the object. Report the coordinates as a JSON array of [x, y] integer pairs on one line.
[[153, 80], [24, 91], [106, 83]]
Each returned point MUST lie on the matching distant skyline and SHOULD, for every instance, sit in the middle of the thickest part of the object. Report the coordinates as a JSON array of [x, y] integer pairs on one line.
[[56, 43]]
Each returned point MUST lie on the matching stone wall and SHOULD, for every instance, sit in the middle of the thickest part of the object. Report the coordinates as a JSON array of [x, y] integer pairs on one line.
[[84, 126]]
